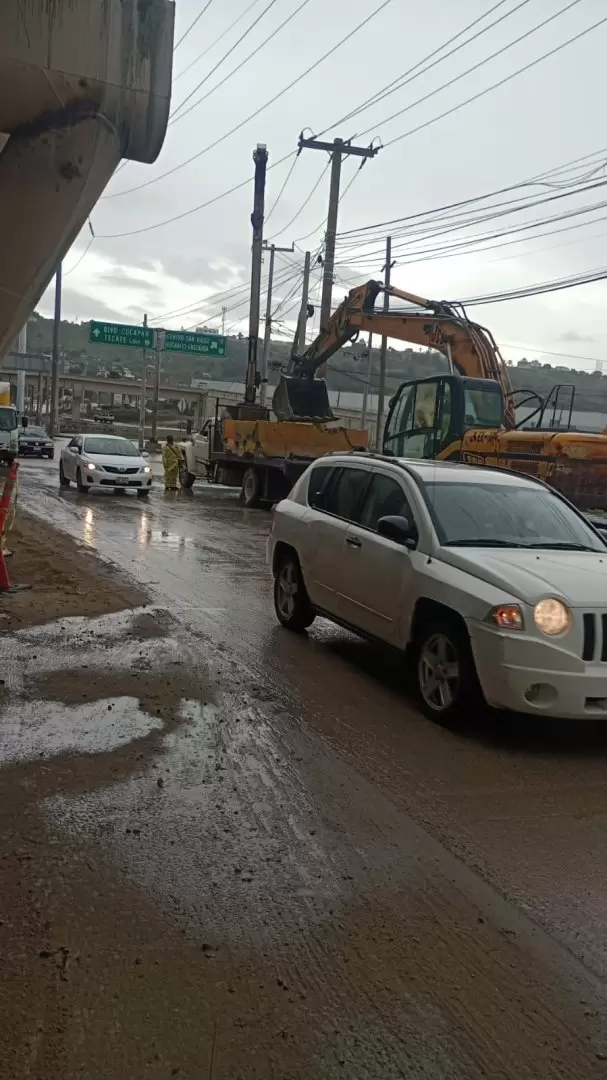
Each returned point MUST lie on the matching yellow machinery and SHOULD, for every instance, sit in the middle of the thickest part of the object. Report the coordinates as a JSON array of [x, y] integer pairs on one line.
[[466, 415]]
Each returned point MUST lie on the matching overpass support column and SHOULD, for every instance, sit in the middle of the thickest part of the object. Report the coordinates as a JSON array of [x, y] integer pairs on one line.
[[49, 179]]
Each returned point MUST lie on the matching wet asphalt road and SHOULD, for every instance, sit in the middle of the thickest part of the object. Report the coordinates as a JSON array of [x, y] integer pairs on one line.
[[373, 897]]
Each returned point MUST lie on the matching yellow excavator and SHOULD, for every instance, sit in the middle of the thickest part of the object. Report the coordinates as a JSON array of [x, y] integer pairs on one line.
[[466, 415]]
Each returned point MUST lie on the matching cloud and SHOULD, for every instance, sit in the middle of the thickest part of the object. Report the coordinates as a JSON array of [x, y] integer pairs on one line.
[[573, 338]]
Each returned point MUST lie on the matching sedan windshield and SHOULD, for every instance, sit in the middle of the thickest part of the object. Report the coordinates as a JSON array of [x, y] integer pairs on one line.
[[35, 432], [8, 419], [110, 447], [505, 515]]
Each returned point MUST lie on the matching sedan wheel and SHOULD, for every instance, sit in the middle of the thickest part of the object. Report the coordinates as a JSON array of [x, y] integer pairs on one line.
[[82, 488], [291, 603], [446, 675]]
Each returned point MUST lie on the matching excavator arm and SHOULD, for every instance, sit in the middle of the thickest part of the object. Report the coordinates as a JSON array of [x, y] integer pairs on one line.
[[470, 348]]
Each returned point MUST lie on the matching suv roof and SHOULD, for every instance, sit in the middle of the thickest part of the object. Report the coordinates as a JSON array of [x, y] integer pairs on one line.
[[449, 470]]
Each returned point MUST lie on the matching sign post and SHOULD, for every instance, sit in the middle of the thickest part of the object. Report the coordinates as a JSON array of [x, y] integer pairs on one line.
[[144, 361]]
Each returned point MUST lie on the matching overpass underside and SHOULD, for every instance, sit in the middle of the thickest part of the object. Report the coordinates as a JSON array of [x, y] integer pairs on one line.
[[83, 83]]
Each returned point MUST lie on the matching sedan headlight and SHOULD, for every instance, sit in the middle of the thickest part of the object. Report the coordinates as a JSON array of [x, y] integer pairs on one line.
[[88, 465], [552, 617], [147, 468]]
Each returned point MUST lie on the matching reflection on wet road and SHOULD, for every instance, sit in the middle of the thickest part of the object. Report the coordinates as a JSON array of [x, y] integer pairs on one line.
[[394, 899]]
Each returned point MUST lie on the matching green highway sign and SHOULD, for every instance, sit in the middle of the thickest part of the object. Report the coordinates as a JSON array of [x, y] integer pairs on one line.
[[138, 337], [204, 344]]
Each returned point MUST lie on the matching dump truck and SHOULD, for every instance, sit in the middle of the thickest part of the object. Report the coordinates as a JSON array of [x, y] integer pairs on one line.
[[466, 415], [261, 456], [9, 424]]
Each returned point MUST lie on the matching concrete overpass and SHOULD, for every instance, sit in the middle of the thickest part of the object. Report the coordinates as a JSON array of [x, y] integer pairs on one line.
[[83, 83]]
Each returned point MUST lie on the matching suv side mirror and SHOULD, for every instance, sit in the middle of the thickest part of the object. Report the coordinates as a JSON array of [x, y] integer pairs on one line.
[[399, 529]]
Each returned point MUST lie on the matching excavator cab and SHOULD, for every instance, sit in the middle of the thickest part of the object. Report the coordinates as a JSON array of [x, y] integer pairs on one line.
[[429, 418], [302, 398]]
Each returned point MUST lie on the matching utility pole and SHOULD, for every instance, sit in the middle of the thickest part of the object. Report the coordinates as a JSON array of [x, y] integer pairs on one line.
[[338, 150], [267, 337], [22, 350], [224, 312], [144, 357], [155, 400], [299, 341], [53, 426], [260, 157], [384, 345], [363, 418]]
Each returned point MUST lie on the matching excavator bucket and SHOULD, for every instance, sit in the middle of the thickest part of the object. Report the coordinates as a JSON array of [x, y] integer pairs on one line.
[[302, 399]]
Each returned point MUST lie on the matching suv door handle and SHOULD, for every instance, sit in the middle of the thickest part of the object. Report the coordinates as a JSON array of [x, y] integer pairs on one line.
[[353, 542]]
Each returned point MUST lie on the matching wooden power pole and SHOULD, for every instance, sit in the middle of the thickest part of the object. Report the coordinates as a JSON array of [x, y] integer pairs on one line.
[[260, 157], [384, 346], [338, 150], [267, 337]]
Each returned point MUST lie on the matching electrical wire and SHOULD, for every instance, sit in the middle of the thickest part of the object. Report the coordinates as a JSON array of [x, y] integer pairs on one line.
[[413, 73], [193, 24], [497, 212], [500, 82], [86, 250], [540, 178], [210, 47], [193, 209], [254, 54], [305, 203], [282, 190], [481, 63], [253, 115], [540, 289]]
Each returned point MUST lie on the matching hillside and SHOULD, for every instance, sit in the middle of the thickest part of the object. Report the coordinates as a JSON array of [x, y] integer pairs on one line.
[[347, 370]]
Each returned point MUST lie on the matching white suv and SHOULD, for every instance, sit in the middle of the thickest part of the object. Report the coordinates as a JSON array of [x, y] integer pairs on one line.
[[492, 580]]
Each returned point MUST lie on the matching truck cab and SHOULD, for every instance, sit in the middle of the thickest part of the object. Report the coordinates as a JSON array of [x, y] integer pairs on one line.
[[9, 424]]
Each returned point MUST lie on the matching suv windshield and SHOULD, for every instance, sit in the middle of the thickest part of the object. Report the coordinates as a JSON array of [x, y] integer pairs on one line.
[[505, 515], [111, 447], [8, 419]]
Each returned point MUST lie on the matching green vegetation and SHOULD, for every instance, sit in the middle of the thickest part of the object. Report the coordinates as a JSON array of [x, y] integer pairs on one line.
[[347, 370]]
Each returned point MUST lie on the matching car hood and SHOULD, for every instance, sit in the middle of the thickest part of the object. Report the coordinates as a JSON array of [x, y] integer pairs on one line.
[[115, 460], [580, 577]]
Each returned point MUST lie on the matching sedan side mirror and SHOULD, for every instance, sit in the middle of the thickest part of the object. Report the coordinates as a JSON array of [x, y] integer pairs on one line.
[[145, 454], [399, 529]]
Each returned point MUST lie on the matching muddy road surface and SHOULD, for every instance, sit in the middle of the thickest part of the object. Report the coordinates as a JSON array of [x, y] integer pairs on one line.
[[230, 852]]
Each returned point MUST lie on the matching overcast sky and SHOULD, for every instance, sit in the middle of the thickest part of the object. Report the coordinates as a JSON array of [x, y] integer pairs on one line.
[[541, 119]]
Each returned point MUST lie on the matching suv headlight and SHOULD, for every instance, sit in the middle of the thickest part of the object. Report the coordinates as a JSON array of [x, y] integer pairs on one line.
[[552, 617], [506, 617]]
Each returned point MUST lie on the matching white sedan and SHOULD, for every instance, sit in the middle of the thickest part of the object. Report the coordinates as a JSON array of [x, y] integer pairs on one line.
[[490, 580], [105, 461]]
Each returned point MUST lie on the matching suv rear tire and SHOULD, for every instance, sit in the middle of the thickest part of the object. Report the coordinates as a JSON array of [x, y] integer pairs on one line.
[[445, 672], [291, 602]]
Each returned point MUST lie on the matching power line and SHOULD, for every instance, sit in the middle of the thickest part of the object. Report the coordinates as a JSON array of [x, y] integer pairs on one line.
[[497, 212], [306, 201], [381, 226], [501, 82], [193, 24], [556, 285], [413, 73], [486, 59], [253, 115], [193, 209], [176, 118], [282, 190], [216, 41]]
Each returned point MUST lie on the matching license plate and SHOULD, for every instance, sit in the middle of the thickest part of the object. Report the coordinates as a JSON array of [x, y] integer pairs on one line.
[[121, 480]]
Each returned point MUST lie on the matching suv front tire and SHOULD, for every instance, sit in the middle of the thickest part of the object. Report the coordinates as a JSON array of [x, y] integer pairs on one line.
[[291, 602]]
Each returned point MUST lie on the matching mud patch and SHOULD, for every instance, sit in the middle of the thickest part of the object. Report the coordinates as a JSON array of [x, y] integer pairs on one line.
[[148, 625], [160, 694], [66, 580]]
